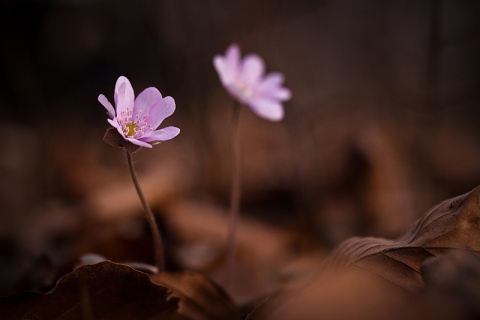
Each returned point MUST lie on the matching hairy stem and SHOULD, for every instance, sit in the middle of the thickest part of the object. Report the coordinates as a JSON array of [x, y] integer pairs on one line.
[[157, 240], [235, 194]]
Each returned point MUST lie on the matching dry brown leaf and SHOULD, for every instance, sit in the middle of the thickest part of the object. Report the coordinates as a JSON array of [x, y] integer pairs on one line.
[[108, 290], [453, 224], [199, 298], [375, 278], [102, 291]]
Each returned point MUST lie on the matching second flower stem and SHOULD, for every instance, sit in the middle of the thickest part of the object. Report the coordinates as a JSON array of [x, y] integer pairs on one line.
[[235, 194], [157, 240]]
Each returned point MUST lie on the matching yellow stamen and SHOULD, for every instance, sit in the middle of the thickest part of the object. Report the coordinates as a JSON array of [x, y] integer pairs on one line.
[[130, 129]]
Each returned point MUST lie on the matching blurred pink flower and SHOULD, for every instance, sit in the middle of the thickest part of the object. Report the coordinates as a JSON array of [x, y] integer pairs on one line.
[[137, 119], [245, 80]]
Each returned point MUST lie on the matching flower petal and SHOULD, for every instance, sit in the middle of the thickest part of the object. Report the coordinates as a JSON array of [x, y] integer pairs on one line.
[[224, 72], [228, 66], [145, 101], [160, 110], [139, 143], [161, 135], [115, 124], [124, 97], [104, 101], [271, 80], [252, 69], [268, 109], [232, 55], [271, 87], [278, 93]]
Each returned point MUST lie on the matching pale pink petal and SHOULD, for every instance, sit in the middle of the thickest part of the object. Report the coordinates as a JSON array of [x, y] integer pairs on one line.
[[144, 103], [160, 110], [115, 124], [228, 66], [268, 109], [271, 87], [279, 93], [161, 135], [139, 143], [272, 79], [233, 52], [252, 69], [124, 96], [104, 101], [232, 57], [225, 74]]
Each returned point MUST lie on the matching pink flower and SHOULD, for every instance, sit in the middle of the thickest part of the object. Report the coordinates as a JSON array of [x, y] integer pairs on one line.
[[245, 80], [137, 119]]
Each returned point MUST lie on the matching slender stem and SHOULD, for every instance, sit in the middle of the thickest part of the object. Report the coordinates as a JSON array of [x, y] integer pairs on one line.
[[235, 193], [157, 240]]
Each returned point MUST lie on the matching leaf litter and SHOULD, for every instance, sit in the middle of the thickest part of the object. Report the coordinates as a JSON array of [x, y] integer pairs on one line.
[[109, 290], [421, 274], [433, 270]]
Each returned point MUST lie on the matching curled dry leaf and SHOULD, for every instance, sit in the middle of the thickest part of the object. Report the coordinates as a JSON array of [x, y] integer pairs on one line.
[[375, 278], [452, 224], [102, 291]]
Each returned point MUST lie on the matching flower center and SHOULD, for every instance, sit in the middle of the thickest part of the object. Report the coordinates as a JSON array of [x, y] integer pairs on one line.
[[247, 91], [130, 128], [244, 90], [134, 126]]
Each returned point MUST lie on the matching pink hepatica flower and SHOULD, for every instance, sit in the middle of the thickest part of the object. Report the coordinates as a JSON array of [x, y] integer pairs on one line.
[[245, 80], [137, 119]]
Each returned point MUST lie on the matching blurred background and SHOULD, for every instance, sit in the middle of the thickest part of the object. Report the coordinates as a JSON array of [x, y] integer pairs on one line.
[[383, 124]]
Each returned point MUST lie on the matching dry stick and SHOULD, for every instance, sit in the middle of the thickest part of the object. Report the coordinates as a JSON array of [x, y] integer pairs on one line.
[[157, 240], [234, 195]]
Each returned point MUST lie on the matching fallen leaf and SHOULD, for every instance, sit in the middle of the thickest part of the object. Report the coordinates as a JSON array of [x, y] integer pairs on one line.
[[199, 298], [453, 224], [416, 276], [102, 291]]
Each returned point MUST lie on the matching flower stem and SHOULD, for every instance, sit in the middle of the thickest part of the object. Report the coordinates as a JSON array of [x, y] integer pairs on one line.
[[235, 194], [157, 240]]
